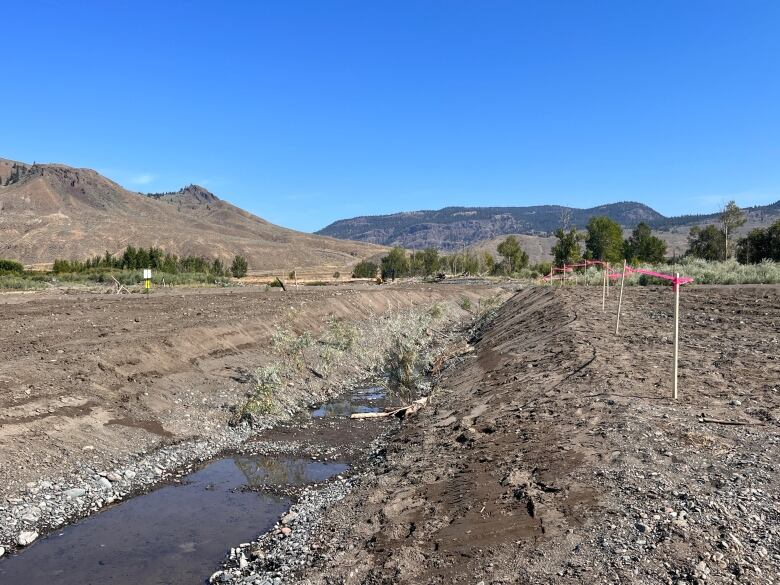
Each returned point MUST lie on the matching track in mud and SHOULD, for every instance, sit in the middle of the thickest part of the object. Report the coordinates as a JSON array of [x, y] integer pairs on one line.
[[178, 534]]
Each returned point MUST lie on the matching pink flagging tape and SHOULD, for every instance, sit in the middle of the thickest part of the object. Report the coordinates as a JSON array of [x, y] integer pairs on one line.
[[676, 282], [615, 274]]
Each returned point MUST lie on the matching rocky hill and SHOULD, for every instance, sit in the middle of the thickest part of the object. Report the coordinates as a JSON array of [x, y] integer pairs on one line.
[[50, 211]]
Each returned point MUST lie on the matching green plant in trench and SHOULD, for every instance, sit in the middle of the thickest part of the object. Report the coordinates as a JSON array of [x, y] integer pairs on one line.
[[261, 398]]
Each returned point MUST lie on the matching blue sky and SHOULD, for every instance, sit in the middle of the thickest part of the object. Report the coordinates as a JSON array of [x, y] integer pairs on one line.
[[307, 112]]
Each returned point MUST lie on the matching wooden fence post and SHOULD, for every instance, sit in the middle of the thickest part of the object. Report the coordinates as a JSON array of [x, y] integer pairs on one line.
[[676, 329], [620, 298]]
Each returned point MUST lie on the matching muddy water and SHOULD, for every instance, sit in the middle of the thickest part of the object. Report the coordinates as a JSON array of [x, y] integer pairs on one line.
[[178, 534], [371, 399]]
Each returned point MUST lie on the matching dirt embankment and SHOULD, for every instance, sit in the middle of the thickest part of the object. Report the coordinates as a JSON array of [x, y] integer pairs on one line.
[[554, 453], [88, 378]]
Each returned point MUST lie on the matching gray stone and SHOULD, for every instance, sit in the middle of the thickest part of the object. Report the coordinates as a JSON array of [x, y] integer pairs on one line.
[[74, 493], [26, 538], [104, 483], [129, 474]]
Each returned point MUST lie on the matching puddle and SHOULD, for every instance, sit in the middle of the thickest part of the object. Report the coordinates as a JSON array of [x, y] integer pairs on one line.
[[174, 535], [151, 426], [372, 399]]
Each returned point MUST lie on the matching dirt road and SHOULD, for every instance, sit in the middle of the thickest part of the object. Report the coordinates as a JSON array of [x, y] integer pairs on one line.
[[555, 454], [86, 378]]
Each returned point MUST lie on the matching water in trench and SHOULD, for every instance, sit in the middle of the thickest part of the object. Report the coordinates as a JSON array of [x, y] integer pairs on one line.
[[175, 535], [372, 399]]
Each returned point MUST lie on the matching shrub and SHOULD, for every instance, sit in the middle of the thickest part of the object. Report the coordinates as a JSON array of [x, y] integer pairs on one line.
[[261, 399], [365, 269], [10, 267], [239, 267]]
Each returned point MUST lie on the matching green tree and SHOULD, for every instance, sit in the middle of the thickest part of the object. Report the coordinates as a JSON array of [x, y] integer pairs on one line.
[[11, 266], [515, 257], [217, 267], [239, 267], [567, 249], [365, 269], [643, 246], [430, 261], [395, 264], [731, 218], [707, 243], [760, 244], [604, 240]]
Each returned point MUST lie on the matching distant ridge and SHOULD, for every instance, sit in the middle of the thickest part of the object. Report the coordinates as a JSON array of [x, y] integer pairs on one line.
[[454, 227], [50, 211]]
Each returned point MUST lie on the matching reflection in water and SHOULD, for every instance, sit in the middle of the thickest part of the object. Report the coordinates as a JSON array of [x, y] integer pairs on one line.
[[372, 399], [261, 471], [175, 535]]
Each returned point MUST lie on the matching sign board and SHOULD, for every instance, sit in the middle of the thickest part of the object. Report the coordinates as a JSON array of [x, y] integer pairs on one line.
[[147, 273]]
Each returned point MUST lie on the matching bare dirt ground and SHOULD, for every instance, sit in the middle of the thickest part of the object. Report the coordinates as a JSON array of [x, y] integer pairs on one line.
[[87, 378], [554, 453]]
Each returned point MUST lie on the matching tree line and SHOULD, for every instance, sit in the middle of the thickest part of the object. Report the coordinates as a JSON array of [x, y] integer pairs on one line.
[[603, 240], [155, 258]]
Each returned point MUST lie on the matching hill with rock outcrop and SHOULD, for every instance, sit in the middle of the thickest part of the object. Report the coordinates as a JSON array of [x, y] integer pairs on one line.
[[50, 211]]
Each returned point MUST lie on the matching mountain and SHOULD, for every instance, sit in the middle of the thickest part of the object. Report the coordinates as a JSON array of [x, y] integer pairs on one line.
[[453, 227], [50, 211]]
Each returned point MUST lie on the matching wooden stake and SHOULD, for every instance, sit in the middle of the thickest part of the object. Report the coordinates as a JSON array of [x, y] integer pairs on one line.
[[620, 298], [603, 289], [563, 281], [551, 275], [607, 278], [676, 330]]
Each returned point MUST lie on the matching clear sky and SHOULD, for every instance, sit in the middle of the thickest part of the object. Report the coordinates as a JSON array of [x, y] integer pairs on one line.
[[307, 112]]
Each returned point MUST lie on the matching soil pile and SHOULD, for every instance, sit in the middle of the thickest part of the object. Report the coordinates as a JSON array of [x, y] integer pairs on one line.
[[554, 454]]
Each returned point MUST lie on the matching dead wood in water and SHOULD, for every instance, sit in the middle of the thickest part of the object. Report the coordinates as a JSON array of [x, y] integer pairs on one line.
[[400, 412]]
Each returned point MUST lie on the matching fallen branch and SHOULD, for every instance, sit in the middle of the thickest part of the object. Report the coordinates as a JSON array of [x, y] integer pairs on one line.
[[400, 412], [717, 421]]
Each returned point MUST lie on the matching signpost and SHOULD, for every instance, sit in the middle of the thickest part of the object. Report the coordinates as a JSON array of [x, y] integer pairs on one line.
[[148, 279]]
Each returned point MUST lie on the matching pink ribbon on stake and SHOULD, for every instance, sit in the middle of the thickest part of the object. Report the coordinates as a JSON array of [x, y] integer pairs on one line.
[[676, 282]]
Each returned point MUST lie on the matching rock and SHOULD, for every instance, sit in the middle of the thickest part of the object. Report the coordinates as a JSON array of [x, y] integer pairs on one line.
[[114, 477], [129, 474], [104, 483], [286, 531], [2, 551], [641, 527], [26, 538], [74, 493], [289, 517]]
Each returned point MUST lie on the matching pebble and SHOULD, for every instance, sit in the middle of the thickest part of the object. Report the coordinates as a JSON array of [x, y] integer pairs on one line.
[[26, 538], [74, 493], [104, 483]]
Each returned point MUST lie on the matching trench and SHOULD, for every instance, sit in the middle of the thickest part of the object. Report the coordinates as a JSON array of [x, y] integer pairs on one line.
[[178, 534]]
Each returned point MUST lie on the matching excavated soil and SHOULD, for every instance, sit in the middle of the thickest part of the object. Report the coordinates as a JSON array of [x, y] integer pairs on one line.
[[88, 378], [554, 452]]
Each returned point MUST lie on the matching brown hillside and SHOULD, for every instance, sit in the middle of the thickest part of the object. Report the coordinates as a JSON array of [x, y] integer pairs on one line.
[[50, 211]]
